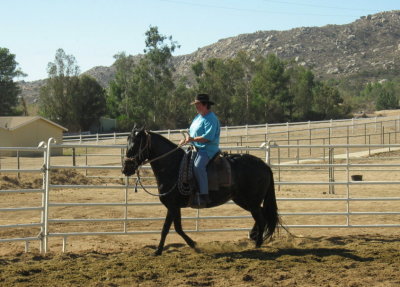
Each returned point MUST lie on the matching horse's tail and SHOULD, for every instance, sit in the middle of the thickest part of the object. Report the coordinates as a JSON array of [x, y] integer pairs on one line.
[[270, 209]]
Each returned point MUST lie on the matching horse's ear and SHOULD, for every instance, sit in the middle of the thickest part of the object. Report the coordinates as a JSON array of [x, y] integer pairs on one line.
[[134, 128]]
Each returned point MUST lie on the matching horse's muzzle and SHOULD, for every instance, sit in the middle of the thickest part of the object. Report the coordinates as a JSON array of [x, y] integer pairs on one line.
[[129, 167]]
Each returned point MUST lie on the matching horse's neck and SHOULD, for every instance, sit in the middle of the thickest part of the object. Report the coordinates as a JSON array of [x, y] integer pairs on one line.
[[168, 165]]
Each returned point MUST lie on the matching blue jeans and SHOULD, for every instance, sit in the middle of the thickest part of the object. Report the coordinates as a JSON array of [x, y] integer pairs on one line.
[[200, 171]]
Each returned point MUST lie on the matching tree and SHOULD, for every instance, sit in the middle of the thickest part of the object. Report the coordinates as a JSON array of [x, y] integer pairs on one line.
[[327, 102], [243, 97], [72, 101], [179, 108], [142, 91], [300, 88], [387, 98], [384, 95], [227, 81], [270, 101], [157, 80], [119, 95], [89, 103], [9, 90], [56, 96]]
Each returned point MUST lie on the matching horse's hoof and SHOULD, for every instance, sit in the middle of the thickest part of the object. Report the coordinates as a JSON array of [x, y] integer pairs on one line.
[[157, 253], [197, 250], [252, 235], [192, 245]]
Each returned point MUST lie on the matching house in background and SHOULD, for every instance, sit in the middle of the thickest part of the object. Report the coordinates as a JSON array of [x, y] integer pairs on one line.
[[28, 132]]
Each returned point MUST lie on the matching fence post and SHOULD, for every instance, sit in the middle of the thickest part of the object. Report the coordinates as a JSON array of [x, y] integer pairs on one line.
[[18, 164], [369, 145], [331, 170], [268, 152], [309, 132], [86, 161], [279, 167], [329, 137], [348, 185], [126, 204], [288, 138], [73, 157], [365, 133], [398, 126], [46, 196], [42, 215]]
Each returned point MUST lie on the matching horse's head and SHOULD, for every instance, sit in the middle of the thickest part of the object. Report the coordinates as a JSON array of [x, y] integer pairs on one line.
[[137, 150]]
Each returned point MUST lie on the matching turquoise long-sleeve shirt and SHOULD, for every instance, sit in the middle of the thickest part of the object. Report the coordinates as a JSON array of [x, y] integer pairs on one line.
[[208, 127]]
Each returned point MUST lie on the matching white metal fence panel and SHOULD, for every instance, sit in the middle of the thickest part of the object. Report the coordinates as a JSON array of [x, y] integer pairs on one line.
[[32, 227], [313, 190]]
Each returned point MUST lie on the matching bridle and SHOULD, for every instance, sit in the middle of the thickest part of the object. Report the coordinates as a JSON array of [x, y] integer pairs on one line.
[[141, 156], [144, 157], [146, 148]]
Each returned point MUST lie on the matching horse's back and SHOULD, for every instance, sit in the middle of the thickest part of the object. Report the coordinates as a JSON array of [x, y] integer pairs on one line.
[[248, 164]]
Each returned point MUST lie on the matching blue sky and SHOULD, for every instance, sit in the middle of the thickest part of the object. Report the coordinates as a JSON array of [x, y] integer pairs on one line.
[[93, 31]]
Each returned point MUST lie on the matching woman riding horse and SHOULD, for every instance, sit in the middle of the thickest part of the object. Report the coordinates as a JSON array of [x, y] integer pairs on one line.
[[252, 188], [204, 134]]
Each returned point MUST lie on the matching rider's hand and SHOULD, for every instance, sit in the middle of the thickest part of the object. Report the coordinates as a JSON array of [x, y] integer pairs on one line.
[[186, 141]]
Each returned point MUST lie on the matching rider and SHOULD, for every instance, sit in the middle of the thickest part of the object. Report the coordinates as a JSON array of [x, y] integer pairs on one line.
[[204, 134]]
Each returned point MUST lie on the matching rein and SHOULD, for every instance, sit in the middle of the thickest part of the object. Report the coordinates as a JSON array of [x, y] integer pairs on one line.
[[141, 151], [147, 145], [138, 180]]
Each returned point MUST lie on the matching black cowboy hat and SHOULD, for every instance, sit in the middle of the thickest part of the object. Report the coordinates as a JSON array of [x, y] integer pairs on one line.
[[202, 98]]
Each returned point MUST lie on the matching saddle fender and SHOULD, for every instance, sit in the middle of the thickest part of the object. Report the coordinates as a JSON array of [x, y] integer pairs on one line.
[[219, 172]]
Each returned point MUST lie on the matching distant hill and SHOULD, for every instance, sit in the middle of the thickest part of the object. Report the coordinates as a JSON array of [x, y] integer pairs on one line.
[[368, 48]]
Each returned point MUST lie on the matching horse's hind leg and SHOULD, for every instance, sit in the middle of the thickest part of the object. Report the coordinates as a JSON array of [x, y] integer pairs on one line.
[[260, 223], [179, 230], [253, 232], [167, 225]]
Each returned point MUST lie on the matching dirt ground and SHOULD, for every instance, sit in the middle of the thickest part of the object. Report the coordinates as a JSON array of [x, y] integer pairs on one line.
[[350, 260]]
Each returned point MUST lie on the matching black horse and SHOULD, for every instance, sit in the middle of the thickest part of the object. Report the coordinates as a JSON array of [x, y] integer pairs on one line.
[[253, 184]]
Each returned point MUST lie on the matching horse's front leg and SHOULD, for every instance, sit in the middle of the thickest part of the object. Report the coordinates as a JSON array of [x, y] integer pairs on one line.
[[179, 230], [167, 225]]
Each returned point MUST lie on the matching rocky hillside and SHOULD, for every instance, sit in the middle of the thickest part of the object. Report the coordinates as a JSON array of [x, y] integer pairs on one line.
[[370, 46]]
